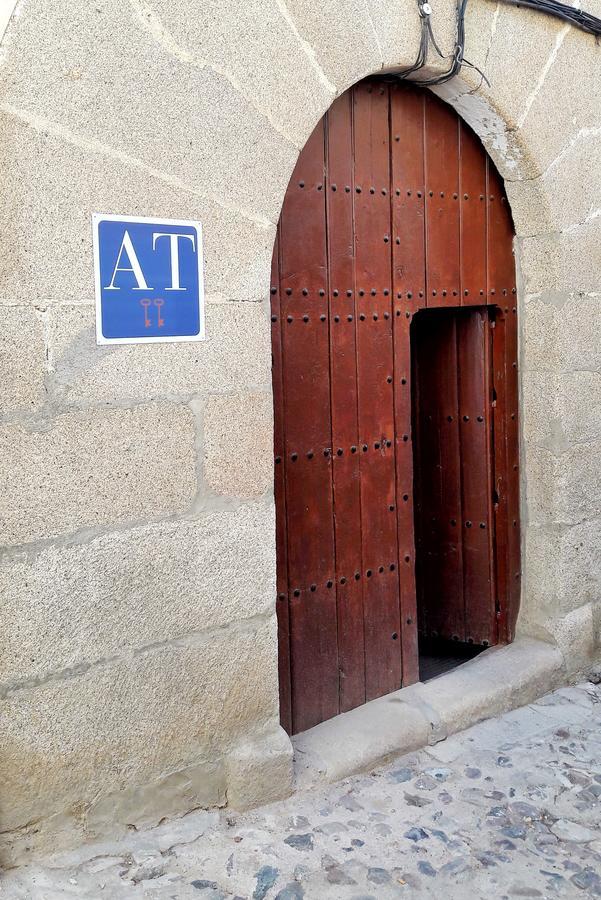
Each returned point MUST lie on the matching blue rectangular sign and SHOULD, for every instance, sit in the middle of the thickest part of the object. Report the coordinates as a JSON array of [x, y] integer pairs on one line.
[[149, 280]]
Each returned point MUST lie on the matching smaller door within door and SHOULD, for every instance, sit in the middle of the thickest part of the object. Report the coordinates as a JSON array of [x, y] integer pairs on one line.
[[453, 466]]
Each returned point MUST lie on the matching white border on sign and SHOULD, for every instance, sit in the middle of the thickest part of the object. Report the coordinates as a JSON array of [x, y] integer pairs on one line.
[[97, 218]]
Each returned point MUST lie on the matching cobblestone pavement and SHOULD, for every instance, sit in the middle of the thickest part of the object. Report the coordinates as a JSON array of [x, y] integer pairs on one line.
[[509, 808]]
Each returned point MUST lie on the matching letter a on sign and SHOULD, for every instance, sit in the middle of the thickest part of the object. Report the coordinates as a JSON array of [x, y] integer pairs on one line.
[[149, 280]]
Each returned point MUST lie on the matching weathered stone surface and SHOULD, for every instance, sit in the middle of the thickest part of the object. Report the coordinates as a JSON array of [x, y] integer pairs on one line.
[[22, 359], [581, 406], [49, 257], [484, 687], [94, 468], [530, 204], [571, 98], [572, 197], [187, 121], [541, 322], [596, 613], [135, 720], [574, 634], [519, 51], [196, 786], [341, 36], [563, 568], [300, 842], [259, 770], [397, 28], [529, 63], [561, 409], [488, 122], [562, 332], [238, 444], [541, 415], [277, 73], [563, 488], [236, 351], [481, 21], [358, 739], [567, 261], [68, 606]]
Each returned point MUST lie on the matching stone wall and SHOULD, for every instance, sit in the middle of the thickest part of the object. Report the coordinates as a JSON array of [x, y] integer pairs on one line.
[[138, 662]]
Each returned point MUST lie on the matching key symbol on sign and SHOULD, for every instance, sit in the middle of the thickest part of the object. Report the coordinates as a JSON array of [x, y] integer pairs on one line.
[[146, 304], [159, 303]]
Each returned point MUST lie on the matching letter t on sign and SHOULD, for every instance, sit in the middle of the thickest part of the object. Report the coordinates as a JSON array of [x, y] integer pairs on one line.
[[174, 248]]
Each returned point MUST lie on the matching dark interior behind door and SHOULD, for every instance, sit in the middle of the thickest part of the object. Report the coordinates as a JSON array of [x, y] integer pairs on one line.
[[454, 517]]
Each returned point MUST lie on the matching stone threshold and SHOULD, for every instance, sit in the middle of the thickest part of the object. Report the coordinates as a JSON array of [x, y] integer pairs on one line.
[[496, 681]]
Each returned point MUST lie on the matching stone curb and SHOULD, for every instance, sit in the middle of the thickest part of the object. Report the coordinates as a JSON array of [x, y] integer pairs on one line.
[[496, 681]]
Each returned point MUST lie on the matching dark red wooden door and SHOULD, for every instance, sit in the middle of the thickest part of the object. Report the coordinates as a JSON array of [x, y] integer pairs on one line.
[[392, 208]]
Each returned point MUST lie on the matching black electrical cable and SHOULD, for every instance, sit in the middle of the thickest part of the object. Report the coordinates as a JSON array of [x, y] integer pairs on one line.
[[569, 14], [427, 36], [576, 17]]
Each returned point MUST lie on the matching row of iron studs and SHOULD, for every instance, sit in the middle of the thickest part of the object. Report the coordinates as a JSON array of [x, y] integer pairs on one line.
[[398, 191], [349, 318], [369, 572], [378, 445], [343, 580], [327, 452], [386, 292], [375, 316]]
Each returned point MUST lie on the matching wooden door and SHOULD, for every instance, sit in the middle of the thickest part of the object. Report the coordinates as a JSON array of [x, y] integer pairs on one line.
[[392, 208]]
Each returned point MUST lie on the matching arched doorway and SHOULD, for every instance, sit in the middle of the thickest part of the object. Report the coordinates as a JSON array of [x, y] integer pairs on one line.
[[394, 334]]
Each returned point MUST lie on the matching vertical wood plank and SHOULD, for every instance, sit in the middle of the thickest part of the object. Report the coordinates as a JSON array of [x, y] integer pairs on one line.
[[280, 496], [500, 475], [409, 286], [343, 374], [474, 418], [502, 292], [442, 204], [375, 368], [472, 200], [450, 513], [308, 472], [408, 197], [426, 462], [513, 463]]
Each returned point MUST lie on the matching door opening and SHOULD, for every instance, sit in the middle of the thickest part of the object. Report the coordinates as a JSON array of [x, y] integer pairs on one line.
[[453, 465], [394, 215]]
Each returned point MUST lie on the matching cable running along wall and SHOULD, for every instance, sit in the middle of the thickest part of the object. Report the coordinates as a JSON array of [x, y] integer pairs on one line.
[[576, 17]]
